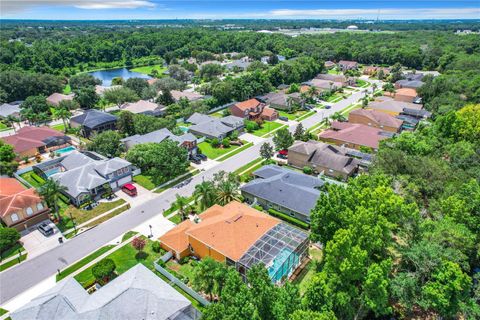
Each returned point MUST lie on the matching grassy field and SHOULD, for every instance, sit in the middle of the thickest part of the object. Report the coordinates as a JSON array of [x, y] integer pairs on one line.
[[238, 150], [177, 181], [267, 127], [12, 251], [145, 181], [362, 83], [306, 275], [213, 153], [176, 219], [59, 127], [2, 311], [74, 267], [3, 126], [124, 258], [148, 69], [11, 263], [293, 115], [185, 270]]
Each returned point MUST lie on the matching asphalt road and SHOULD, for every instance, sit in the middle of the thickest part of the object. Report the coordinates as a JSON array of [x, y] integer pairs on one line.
[[31, 272]]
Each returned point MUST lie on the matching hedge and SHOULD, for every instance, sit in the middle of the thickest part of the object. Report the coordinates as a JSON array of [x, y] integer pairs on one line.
[[37, 178], [289, 219]]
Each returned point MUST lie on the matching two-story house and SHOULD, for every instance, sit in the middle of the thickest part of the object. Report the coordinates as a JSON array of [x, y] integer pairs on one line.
[[253, 109]]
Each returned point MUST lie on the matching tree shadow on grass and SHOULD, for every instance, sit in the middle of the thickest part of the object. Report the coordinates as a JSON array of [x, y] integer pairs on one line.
[[141, 255]]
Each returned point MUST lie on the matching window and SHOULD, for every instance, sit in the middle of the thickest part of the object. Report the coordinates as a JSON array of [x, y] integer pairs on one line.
[[29, 211], [40, 206], [14, 217]]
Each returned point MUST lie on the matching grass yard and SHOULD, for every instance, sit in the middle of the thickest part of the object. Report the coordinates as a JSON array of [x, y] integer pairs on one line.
[[124, 258], [32, 178], [2, 311], [213, 153], [177, 181], [238, 150], [128, 235], [145, 181], [59, 127], [3, 126], [80, 216], [184, 270], [292, 115], [334, 97], [148, 69], [248, 165], [11, 263], [12, 251], [266, 128], [362, 83], [74, 267], [67, 89], [309, 271], [176, 219]]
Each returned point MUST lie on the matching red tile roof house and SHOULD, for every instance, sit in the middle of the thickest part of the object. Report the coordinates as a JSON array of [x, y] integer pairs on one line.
[[55, 98], [252, 109], [353, 135], [20, 208], [30, 140]]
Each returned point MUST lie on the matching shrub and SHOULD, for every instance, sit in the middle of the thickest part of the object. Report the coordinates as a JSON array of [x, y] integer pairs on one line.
[[226, 142], [138, 243], [104, 270], [8, 238], [288, 218], [234, 135], [156, 247], [215, 143], [307, 170], [184, 260], [251, 126], [161, 263]]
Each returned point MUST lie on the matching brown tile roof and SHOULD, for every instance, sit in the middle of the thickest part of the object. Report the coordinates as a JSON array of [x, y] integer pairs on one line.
[[410, 92], [380, 118], [268, 112], [189, 95], [247, 104], [355, 133], [30, 137], [14, 196], [230, 229], [56, 98], [387, 103]]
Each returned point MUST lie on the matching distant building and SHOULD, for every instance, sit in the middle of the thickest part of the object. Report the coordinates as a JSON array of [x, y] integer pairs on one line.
[[329, 64], [391, 106], [241, 64], [100, 90], [352, 27], [337, 78], [189, 95], [20, 208], [93, 122], [136, 294], [144, 107], [375, 119], [55, 98], [348, 65], [10, 109]]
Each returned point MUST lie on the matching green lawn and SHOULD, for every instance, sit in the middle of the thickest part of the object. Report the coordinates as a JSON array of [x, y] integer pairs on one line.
[[213, 153], [2, 311], [148, 69], [362, 83], [267, 127], [74, 267], [124, 258], [238, 150], [333, 71], [3, 126], [291, 115], [12, 251], [184, 270], [59, 127], [67, 89], [32, 178], [128, 235], [145, 181], [11, 263], [334, 97], [248, 165], [309, 271], [176, 219], [177, 181]]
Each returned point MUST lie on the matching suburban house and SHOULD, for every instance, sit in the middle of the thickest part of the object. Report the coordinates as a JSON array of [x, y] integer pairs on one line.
[[241, 64], [347, 65], [93, 122], [20, 208], [405, 95], [253, 109], [136, 294], [284, 190], [241, 237], [375, 119], [329, 64], [100, 90], [55, 98], [212, 127], [373, 70], [337, 78], [354, 135], [391, 106], [281, 100], [86, 175], [186, 140], [10, 109], [144, 107], [323, 158], [323, 85], [189, 95], [28, 141], [416, 113], [266, 59], [412, 84]]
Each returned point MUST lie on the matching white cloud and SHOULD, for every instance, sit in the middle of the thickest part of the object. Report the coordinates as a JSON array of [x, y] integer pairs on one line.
[[414, 13], [13, 6]]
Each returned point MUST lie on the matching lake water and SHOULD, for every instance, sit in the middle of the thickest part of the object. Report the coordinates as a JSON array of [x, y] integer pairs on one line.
[[107, 75]]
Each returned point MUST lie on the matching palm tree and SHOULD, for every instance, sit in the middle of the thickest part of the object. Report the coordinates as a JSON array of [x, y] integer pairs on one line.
[[204, 195], [181, 203], [312, 92], [11, 119], [227, 192], [50, 191], [63, 114]]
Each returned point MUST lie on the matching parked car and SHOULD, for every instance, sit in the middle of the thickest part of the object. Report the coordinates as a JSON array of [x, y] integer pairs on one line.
[[202, 156], [45, 229], [130, 189], [327, 107], [283, 118], [195, 159]]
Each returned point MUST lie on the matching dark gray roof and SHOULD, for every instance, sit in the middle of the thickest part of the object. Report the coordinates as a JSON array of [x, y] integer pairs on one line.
[[136, 294], [410, 83], [242, 64], [157, 137], [93, 118], [416, 113], [284, 187], [212, 126], [197, 118]]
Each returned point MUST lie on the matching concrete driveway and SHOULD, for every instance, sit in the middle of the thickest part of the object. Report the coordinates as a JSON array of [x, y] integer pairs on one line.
[[35, 243], [142, 195]]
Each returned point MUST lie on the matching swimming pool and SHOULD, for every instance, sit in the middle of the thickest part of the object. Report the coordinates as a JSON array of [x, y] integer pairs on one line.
[[184, 129], [65, 150], [282, 264]]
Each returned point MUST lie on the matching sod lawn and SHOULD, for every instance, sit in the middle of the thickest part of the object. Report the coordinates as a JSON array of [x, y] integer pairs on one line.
[[267, 127], [148, 69], [213, 153]]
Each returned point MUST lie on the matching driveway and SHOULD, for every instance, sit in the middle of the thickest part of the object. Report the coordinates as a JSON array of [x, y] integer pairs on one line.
[[142, 195], [35, 243]]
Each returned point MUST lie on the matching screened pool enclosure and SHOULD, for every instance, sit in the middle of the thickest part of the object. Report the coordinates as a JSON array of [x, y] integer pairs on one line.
[[281, 250]]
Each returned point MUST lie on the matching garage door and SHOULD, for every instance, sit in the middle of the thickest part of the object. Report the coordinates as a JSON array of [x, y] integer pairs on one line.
[[122, 181]]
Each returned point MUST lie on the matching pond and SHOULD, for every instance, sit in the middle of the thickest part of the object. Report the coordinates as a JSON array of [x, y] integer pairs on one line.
[[107, 75]]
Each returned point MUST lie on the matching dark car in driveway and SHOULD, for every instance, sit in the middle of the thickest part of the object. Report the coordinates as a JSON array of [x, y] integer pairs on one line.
[[328, 107], [45, 229], [195, 159], [283, 118], [201, 156]]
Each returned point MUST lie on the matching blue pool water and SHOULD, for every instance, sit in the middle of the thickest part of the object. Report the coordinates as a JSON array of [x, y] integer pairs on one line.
[[107, 75], [281, 267], [52, 171], [66, 149], [184, 129]]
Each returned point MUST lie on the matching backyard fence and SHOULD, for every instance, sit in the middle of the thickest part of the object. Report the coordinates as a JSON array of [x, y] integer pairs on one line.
[[182, 285]]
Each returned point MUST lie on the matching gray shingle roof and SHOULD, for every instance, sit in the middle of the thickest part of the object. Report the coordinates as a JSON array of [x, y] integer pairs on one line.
[[212, 126], [197, 118], [157, 137], [136, 294], [287, 188], [8, 109], [93, 118]]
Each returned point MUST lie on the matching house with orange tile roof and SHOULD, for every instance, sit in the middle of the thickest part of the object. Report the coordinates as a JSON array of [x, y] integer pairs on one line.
[[375, 119], [354, 135], [237, 234], [404, 94], [253, 109], [20, 208]]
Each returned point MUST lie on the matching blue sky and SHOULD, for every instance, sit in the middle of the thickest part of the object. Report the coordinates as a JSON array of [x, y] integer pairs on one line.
[[218, 9]]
